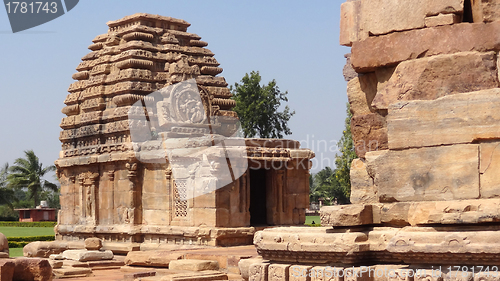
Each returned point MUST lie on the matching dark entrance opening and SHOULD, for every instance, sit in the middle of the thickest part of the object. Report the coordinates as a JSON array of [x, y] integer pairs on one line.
[[468, 15], [258, 209]]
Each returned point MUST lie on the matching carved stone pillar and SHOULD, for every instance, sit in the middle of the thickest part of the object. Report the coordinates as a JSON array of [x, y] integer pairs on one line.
[[129, 215], [88, 197]]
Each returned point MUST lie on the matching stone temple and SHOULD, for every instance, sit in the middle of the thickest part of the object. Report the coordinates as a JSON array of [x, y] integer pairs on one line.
[[150, 155]]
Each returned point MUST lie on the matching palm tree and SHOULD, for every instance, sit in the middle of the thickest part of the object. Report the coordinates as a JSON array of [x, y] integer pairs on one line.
[[6, 194], [28, 173]]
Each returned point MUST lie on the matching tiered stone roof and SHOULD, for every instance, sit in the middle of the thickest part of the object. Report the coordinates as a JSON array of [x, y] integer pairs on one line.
[[140, 54]]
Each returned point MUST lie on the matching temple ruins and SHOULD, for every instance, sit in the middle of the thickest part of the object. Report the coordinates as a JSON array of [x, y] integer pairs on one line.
[[423, 89], [150, 154]]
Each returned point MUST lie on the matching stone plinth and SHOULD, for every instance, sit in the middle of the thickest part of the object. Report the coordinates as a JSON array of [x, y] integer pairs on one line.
[[425, 190]]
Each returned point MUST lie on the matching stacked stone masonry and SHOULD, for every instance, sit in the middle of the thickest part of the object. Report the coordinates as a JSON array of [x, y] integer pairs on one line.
[[423, 88], [118, 189]]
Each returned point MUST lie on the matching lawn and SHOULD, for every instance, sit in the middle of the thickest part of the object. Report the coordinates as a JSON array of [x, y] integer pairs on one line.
[[310, 219], [26, 231], [15, 252]]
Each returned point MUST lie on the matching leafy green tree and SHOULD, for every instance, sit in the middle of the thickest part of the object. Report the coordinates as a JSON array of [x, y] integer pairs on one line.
[[325, 185], [6, 193], [257, 107], [28, 173], [335, 185], [343, 161]]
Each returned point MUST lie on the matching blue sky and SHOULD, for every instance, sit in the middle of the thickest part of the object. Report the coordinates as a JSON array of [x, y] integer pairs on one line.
[[293, 42]]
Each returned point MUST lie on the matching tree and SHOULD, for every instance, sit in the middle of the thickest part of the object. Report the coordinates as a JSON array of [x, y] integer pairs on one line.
[[28, 173], [335, 185], [257, 107], [343, 161], [325, 185], [6, 194]]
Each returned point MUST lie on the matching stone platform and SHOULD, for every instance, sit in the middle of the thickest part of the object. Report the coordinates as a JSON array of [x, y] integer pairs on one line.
[[226, 260]]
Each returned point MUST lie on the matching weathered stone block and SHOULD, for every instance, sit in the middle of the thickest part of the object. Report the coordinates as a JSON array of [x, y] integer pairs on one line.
[[489, 167], [4, 246], [258, 271], [362, 188], [348, 71], [85, 255], [426, 174], [346, 215], [369, 133], [193, 265], [32, 269], [350, 20], [245, 264], [45, 249], [93, 243], [7, 269], [485, 10], [391, 49], [382, 17], [437, 76], [442, 19], [460, 118], [151, 258], [278, 272], [360, 92]]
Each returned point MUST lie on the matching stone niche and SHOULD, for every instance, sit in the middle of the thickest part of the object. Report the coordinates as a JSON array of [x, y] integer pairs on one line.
[[424, 92], [150, 155]]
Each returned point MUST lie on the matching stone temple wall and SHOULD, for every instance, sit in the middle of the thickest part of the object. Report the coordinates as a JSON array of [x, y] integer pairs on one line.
[[424, 92], [144, 148]]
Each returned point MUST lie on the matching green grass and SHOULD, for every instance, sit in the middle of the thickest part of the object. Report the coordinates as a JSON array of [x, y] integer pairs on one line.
[[16, 252], [310, 219], [26, 231]]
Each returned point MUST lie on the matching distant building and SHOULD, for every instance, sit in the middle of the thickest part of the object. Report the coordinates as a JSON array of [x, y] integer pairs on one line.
[[40, 213]]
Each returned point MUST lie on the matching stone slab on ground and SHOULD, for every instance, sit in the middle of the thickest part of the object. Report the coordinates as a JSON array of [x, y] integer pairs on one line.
[[227, 257], [32, 269], [43, 249], [193, 265], [426, 174], [391, 49], [86, 255], [66, 272], [152, 258], [462, 118], [196, 276]]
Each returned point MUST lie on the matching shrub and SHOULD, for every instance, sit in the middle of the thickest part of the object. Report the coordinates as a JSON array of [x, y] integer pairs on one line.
[[28, 224], [32, 238]]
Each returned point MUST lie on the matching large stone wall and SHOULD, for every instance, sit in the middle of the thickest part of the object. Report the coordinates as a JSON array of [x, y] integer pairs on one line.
[[423, 86]]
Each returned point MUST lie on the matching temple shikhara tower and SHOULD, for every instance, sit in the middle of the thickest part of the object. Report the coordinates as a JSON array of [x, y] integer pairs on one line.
[[149, 155], [424, 92]]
